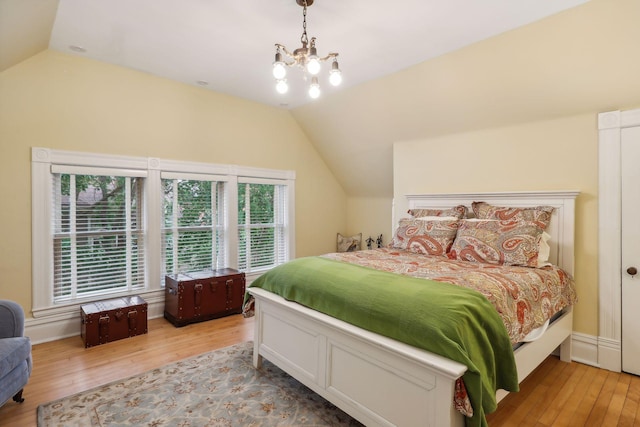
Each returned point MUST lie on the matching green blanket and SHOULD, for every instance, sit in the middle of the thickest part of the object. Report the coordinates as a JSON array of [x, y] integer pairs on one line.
[[454, 322]]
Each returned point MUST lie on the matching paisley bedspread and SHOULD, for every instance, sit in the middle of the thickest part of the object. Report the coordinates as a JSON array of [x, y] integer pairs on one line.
[[524, 297]]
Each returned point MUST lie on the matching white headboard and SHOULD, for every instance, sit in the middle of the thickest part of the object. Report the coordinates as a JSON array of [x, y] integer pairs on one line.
[[561, 228]]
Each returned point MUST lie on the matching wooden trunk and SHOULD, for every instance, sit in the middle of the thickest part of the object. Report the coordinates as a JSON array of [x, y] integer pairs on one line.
[[203, 295], [111, 320]]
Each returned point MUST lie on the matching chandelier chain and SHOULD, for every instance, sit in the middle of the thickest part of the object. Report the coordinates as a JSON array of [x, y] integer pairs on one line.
[[303, 39]]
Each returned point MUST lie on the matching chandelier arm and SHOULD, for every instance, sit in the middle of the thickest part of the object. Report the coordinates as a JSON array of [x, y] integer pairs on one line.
[[285, 51], [329, 56]]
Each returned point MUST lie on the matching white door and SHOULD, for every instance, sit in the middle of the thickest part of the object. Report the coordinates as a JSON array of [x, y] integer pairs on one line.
[[630, 166]]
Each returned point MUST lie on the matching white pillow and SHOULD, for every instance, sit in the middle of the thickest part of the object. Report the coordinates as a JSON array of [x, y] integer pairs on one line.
[[543, 250]]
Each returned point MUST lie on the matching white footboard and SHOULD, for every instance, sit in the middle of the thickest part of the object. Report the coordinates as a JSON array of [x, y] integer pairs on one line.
[[378, 381]]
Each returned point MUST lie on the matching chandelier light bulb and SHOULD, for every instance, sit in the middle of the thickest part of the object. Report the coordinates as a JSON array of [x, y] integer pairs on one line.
[[279, 69], [314, 89], [313, 62], [335, 75], [335, 78], [313, 66], [282, 86]]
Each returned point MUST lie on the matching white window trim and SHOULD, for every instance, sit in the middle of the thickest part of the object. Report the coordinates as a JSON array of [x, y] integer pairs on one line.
[[42, 160]]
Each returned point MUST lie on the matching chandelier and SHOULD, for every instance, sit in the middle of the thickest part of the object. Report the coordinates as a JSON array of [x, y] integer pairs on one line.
[[305, 57]]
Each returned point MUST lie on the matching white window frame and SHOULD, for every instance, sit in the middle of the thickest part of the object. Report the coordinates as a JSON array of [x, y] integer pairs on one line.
[[42, 160], [73, 172]]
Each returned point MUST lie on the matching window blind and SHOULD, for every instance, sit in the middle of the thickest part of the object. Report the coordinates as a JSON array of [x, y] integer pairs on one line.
[[262, 230], [98, 235], [193, 225]]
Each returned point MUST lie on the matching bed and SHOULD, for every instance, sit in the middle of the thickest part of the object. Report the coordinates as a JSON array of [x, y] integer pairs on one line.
[[383, 381]]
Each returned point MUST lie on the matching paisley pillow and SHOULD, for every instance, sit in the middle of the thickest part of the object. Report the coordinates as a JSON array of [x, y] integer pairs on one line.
[[498, 242], [459, 211], [425, 236], [539, 214]]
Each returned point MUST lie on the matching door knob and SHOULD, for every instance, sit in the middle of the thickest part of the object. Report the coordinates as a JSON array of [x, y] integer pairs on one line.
[[632, 271]]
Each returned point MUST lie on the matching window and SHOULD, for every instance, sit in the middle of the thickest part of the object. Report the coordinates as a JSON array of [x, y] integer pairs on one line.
[[193, 224], [262, 230], [98, 237], [105, 226]]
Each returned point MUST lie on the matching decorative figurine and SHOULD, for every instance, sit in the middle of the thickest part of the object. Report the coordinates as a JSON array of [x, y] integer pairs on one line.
[[379, 241], [369, 242]]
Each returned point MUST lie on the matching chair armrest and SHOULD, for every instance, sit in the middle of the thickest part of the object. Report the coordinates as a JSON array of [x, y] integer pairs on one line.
[[11, 319]]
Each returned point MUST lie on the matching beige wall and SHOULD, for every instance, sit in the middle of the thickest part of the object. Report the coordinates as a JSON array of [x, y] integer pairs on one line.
[[560, 154], [27, 22], [68, 103], [370, 216]]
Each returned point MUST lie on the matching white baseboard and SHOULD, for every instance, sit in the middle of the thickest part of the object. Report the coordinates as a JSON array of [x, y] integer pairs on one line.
[[610, 354], [601, 352], [584, 349], [64, 325]]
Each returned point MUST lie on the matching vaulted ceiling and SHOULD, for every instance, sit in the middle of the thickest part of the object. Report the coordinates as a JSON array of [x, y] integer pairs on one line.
[[228, 46]]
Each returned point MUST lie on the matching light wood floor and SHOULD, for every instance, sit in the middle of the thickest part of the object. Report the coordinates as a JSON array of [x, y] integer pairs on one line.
[[571, 394], [556, 394]]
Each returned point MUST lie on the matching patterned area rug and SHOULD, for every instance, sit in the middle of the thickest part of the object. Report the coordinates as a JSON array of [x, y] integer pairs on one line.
[[220, 388]]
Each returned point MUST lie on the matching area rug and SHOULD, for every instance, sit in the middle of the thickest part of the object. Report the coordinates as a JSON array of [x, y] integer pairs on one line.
[[220, 388]]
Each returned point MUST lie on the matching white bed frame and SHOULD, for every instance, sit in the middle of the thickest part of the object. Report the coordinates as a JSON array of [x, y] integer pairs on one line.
[[383, 382]]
